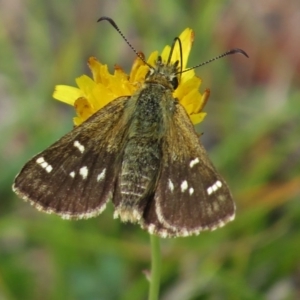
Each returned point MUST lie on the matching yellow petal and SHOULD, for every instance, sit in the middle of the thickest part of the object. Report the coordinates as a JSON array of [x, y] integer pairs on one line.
[[152, 58], [197, 118], [67, 94], [99, 71], [188, 75], [86, 84], [204, 99], [186, 87], [165, 54], [187, 38]]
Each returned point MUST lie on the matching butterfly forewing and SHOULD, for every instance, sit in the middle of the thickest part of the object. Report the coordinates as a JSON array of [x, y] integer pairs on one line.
[[75, 176], [190, 195]]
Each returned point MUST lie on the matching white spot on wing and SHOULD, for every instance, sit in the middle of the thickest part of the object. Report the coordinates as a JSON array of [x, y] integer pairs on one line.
[[44, 165], [214, 187], [84, 172], [41, 161], [101, 175], [72, 174], [209, 190], [170, 185], [194, 162], [191, 191], [49, 169], [79, 146], [184, 186]]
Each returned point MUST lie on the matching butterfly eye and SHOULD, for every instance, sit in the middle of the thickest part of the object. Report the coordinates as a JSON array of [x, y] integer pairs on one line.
[[174, 82]]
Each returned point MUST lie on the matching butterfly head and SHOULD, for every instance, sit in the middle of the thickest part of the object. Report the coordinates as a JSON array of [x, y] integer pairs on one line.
[[165, 74]]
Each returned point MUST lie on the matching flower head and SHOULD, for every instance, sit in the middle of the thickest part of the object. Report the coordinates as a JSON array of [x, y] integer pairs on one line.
[[94, 93]]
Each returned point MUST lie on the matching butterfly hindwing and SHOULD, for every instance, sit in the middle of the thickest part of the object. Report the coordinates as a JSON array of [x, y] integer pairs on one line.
[[75, 176]]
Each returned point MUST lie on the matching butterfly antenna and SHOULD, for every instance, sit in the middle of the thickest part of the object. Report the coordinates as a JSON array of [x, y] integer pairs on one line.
[[177, 39], [232, 51], [113, 24]]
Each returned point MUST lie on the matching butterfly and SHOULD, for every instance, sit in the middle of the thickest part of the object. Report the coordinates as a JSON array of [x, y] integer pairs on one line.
[[142, 153]]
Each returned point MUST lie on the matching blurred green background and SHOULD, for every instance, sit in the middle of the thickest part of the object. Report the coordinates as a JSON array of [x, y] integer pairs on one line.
[[251, 133]]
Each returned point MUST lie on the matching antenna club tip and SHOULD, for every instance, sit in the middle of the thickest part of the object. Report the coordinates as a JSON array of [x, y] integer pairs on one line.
[[238, 50], [101, 19], [108, 19]]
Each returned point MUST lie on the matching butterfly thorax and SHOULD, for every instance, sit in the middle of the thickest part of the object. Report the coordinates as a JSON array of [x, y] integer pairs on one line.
[[153, 106]]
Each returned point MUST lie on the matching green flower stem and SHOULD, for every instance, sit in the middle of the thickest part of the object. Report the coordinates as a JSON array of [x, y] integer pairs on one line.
[[155, 267]]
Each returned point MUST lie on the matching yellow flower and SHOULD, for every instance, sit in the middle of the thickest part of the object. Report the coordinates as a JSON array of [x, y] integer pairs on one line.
[[93, 94]]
